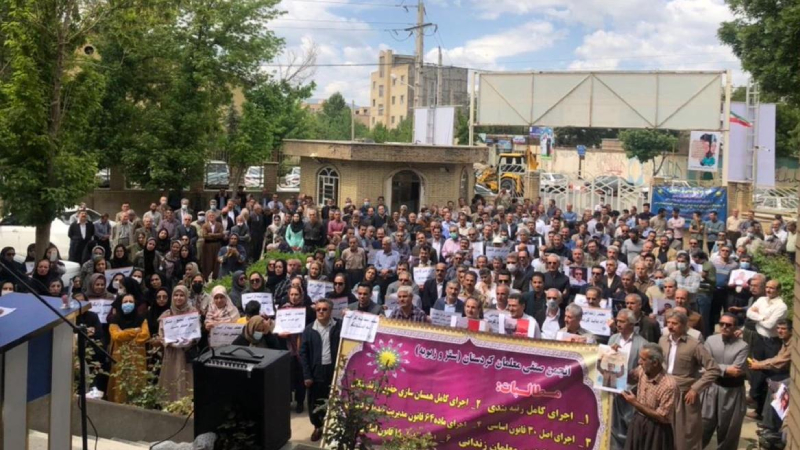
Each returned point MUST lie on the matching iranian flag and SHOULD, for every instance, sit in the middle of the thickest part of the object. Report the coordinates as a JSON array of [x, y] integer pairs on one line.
[[735, 118]]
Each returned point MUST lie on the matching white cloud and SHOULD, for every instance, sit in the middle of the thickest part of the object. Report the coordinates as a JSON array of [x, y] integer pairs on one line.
[[586, 12], [484, 52]]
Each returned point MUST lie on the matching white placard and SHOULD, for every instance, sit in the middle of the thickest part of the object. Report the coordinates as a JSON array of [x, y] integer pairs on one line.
[[317, 289], [263, 298], [181, 328], [469, 324], [740, 277], [111, 273], [492, 318], [290, 320], [423, 274], [517, 327], [612, 370], [224, 334], [531, 250], [568, 337], [581, 301], [390, 301], [780, 402], [360, 326], [595, 320], [499, 252], [661, 306], [102, 308], [339, 306], [477, 250], [442, 318], [371, 254], [6, 311], [29, 266]]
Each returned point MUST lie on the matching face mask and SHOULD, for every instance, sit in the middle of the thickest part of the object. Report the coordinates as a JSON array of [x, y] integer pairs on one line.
[[744, 265], [751, 235], [257, 335], [5, 293], [115, 284], [197, 287], [138, 279], [127, 308], [308, 266], [53, 257], [184, 207], [512, 267], [659, 282], [331, 254], [682, 266], [552, 305]]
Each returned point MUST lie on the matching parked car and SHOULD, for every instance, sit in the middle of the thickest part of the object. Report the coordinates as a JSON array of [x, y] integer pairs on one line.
[[292, 179], [217, 175], [613, 183], [483, 191], [254, 177], [551, 181], [14, 234]]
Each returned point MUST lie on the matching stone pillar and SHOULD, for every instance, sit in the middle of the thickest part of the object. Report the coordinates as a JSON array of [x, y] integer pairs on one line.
[[740, 196], [531, 185]]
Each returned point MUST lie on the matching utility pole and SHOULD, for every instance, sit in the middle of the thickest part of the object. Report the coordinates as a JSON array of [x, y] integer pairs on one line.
[[353, 121], [419, 29], [439, 80]]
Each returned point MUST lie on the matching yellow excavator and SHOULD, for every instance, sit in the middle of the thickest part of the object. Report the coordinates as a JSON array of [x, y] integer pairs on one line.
[[510, 171]]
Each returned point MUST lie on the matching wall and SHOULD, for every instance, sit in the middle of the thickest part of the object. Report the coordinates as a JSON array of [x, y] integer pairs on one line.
[[787, 172], [368, 179], [609, 162]]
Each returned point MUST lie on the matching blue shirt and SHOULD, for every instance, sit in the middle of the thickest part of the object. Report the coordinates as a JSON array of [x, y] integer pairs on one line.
[[387, 261], [570, 216]]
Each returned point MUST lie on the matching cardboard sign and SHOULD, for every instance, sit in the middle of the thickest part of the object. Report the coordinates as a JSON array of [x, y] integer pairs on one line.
[[290, 320], [595, 320], [263, 298], [317, 289], [224, 334], [497, 252], [360, 326], [102, 308], [182, 328]]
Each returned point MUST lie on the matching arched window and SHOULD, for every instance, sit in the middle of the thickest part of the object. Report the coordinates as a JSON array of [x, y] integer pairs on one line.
[[328, 185]]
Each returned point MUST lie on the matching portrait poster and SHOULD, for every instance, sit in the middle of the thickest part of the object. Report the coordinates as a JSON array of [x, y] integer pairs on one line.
[[612, 370], [704, 151]]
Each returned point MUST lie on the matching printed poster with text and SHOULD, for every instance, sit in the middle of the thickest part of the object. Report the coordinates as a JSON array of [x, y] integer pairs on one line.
[[476, 390]]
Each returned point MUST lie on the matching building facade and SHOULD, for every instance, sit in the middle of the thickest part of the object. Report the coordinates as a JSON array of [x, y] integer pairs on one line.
[[392, 88]]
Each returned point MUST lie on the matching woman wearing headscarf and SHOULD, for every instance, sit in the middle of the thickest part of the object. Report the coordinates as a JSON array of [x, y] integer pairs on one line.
[[57, 267], [258, 333], [192, 269], [7, 254], [176, 376], [149, 259], [294, 233], [95, 287], [120, 257], [197, 295], [40, 279], [117, 286], [55, 288], [30, 253], [153, 283], [276, 274], [98, 266], [172, 262], [127, 329], [137, 246], [186, 258], [238, 284], [341, 290], [163, 241], [297, 299], [155, 354], [87, 268], [221, 309], [255, 283]]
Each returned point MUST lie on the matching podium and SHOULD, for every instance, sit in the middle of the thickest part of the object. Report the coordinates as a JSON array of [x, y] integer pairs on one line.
[[35, 360]]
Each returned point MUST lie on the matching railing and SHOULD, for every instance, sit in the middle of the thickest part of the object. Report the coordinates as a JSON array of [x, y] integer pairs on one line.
[[588, 194]]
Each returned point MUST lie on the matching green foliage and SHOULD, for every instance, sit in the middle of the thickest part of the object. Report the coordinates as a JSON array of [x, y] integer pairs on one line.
[[334, 122], [135, 380], [236, 433], [49, 96], [410, 440], [181, 407], [765, 36], [778, 267], [646, 145], [380, 133], [590, 137], [787, 122], [259, 266], [93, 368]]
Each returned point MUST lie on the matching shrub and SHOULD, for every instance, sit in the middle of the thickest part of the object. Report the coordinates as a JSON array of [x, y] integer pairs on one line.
[[259, 266], [778, 267]]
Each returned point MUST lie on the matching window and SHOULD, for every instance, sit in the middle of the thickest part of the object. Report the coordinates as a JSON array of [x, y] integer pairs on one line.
[[402, 78], [380, 91], [373, 121], [328, 185], [402, 99], [392, 120], [374, 83], [380, 109], [393, 99], [401, 118], [394, 81], [373, 102]]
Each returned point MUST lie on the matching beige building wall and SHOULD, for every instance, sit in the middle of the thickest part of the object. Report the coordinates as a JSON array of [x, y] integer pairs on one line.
[[390, 96], [440, 183]]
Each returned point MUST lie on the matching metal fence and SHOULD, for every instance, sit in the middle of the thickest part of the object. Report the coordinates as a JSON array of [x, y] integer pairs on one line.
[[769, 201], [587, 194]]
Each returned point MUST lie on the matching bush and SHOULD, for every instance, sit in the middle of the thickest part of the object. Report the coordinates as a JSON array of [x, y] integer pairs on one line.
[[259, 266], [778, 267]]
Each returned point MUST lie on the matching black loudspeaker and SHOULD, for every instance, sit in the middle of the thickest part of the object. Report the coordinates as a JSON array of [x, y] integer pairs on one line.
[[252, 384]]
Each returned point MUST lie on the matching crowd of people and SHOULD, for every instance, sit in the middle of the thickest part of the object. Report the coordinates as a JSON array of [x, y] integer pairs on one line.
[[687, 376]]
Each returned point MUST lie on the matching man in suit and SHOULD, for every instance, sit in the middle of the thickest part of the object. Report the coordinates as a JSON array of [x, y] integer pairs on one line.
[[79, 233], [535, 298], [434, 287], [184, 210], [510, 226], [187, 229], [627, 341]]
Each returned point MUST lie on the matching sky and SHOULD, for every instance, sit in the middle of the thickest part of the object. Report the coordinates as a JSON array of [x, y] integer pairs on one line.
[[506, 35]]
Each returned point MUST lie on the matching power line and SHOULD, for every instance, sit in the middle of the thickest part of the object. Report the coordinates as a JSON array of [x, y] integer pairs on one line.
[[344, 21], [333, 2], [326, 28]]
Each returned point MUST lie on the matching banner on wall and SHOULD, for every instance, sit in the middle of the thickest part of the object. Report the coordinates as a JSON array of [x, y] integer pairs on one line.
[[704, 151], [477, 390], [691, 199]]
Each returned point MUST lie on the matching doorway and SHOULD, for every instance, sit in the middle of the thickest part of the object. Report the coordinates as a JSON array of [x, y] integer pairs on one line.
[[406, 187]]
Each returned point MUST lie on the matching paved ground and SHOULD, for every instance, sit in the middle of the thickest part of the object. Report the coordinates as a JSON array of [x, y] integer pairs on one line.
[[301, 433]]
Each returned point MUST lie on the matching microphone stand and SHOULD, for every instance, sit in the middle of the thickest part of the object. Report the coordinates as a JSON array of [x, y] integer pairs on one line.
[[83, 338]]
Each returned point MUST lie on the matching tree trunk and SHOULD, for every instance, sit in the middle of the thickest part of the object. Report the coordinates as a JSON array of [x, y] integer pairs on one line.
[[43, 241]]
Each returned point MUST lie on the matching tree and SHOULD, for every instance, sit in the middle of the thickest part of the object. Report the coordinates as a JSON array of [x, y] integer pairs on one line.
[[402, 132], [590, 137], [787, 122], [334, 121], [380, 133], [765, 36], [646, 145], [50, 93]]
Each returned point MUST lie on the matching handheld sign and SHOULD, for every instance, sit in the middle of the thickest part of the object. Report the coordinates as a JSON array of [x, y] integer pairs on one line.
[[263, 298], [181, 328], [595, 320], [492, 318], [224, 334], [317, 289], [469, 324], [442, 318], [360, 326], [422, 274], [612, 370], [102, 308], [339, 306], [111, 273], [290, 320]]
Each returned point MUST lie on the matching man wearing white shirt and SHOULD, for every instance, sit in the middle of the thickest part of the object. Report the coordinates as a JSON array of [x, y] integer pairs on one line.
[[626, 341], [765, 312], [516, 308]]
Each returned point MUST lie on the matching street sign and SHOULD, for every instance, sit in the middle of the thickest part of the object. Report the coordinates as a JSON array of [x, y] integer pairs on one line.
[[581, 151]]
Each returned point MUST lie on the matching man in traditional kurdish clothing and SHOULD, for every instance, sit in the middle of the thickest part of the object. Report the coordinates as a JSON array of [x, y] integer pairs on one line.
[[686, 357], [723, 402], [654, 402]]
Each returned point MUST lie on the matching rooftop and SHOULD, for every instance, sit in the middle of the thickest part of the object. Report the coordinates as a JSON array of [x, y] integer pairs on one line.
[[387, 152]]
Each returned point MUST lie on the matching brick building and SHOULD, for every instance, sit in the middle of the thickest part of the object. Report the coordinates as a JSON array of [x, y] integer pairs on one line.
[[404, 174]]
